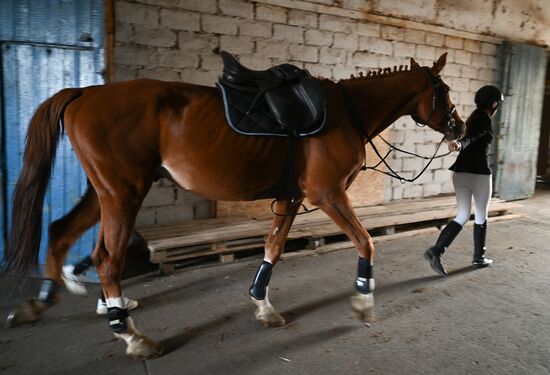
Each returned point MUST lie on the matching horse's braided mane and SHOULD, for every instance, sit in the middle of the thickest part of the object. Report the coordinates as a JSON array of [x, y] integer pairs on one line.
[[377, 73]]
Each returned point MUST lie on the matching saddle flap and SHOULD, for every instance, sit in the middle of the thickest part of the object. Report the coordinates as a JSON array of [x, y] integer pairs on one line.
[[297, 106]]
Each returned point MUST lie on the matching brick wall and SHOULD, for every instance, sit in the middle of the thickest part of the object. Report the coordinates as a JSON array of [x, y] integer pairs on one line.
[[178, 40]]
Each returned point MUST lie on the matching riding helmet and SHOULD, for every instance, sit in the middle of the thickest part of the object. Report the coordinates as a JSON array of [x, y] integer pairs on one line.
[[487, 95]]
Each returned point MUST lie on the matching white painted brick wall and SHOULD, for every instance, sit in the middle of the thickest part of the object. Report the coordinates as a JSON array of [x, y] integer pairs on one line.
[[220, 25], [292, 34], [236, 8], [301, 18], [179, 40], [242, 45], [271, 13], [367, 29], [319, 38], [375, 45], [334, 23], [179, 20]]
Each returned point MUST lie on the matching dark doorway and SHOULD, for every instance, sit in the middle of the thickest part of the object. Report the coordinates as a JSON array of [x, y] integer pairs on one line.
[[543, 162]]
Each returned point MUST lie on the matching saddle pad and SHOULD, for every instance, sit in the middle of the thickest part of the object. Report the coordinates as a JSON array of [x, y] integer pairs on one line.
[[259, 122]]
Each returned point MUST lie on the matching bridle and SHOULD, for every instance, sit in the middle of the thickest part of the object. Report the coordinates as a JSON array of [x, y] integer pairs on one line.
[[439, 94]]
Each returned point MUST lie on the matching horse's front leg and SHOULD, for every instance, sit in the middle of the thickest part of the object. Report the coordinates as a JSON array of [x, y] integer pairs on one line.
[[285, 212], [337, 206], [117, 223]]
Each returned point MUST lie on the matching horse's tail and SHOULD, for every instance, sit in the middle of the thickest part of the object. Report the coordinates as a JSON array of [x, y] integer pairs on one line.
[[26, 224]]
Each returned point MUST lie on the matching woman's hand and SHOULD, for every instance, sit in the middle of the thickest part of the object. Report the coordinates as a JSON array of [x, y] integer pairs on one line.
[[454, 146]]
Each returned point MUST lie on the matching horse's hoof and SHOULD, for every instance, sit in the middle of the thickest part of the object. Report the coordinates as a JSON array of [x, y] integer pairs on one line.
[[362, 306], [144, 348], [27, 312], [272, 320], [266, 314]]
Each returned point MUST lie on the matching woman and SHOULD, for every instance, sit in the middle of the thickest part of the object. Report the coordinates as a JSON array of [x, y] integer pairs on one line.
[[471, 177]]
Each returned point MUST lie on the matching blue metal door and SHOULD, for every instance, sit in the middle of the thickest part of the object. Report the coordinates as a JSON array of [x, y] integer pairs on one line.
[[45, 49]]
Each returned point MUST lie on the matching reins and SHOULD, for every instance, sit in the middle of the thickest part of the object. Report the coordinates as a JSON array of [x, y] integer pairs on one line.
[[392, 173]]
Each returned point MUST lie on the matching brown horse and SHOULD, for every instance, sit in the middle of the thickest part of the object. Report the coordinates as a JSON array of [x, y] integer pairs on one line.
[[128, 134]]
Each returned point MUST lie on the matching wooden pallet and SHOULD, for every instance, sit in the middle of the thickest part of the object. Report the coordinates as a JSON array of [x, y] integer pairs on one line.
[[225, 237]]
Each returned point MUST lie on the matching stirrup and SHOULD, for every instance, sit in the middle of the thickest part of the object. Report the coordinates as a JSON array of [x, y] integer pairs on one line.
[[435, 262]]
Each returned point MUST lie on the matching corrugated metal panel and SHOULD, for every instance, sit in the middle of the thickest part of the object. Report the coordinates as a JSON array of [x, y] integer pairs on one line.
[[522, 81], [64, 22], [41, 54]]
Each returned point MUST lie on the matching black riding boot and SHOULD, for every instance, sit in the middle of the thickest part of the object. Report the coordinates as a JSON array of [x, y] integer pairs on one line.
[[446, 237], [480, 232]]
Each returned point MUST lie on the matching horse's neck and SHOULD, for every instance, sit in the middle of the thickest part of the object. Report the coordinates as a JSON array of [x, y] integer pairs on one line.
[[380, 101]]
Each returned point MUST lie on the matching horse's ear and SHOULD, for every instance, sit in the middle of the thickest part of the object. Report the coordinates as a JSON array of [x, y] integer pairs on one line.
[[414, 64], [439, 64]]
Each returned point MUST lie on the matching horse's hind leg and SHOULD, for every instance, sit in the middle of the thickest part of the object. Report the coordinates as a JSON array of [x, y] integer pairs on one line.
[[285, 212], [65, 231], [338, 207], [118, 215], [63, 234]]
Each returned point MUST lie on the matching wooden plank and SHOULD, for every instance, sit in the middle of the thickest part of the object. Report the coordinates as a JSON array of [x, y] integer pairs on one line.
[[168, 255], [400, 207], [226, 228], [154, 231], [167, 268], [230, 235], [496, 219], [227, 258], [349, 245], [407, 206], [411, 233], [207, 235], [330, 228]]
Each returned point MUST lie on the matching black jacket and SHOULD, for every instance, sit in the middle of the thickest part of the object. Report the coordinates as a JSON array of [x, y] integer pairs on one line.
[[474, 150]]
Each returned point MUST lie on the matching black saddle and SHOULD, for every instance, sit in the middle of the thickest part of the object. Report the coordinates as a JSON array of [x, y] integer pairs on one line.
[[281, 101]]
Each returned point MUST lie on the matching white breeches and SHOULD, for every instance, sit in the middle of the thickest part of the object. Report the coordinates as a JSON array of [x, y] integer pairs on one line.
[[467, 185]]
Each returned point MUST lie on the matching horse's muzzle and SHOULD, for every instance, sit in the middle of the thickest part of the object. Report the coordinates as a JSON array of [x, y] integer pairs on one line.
[[455, 130]]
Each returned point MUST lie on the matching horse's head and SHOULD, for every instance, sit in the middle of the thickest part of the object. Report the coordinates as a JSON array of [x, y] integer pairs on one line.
[[434, 107]]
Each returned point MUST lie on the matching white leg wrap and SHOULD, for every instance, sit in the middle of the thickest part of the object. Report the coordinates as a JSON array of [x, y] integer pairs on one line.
[[115, 302]]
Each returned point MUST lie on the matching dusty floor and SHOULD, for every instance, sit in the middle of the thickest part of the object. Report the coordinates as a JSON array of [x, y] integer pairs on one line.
[[490, 321]]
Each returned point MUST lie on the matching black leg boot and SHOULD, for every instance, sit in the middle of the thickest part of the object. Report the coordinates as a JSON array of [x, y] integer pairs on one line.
[[480, 232], [446, 237]]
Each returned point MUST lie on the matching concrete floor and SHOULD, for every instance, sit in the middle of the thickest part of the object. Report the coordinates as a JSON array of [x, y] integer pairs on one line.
[[490, 321]]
